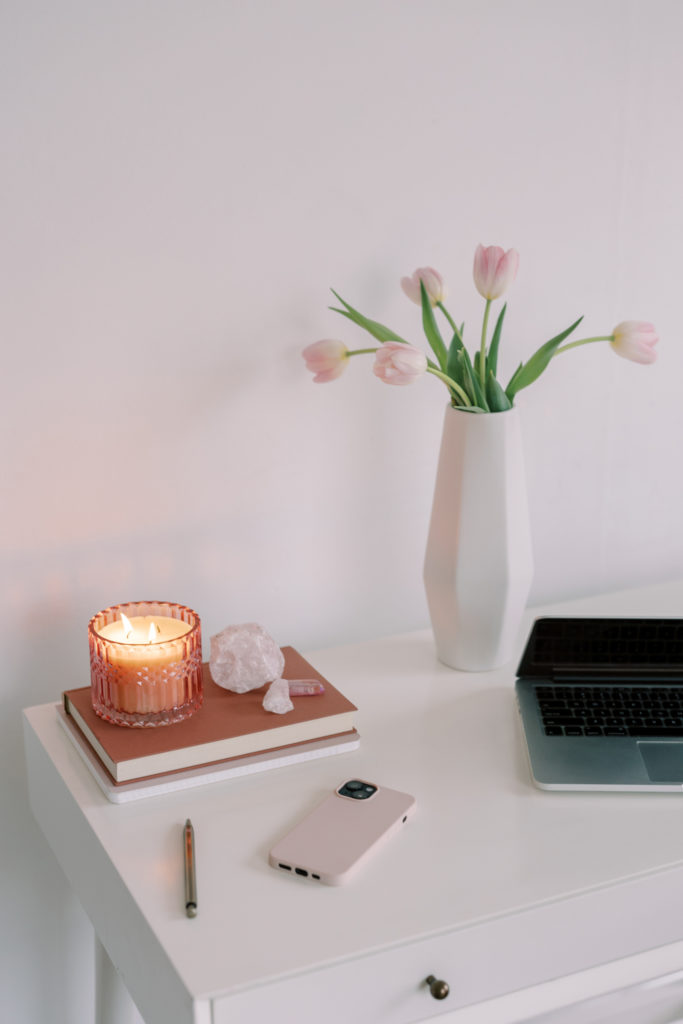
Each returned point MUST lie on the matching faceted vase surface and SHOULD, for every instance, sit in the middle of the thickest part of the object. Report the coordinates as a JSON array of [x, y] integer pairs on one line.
[[478, 564]]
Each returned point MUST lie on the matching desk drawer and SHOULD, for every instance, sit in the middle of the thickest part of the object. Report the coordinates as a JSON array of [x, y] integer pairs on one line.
[[487, 960], [651, 1002]]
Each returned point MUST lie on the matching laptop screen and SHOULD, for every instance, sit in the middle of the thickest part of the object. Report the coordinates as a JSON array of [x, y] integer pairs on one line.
[[605, 645]]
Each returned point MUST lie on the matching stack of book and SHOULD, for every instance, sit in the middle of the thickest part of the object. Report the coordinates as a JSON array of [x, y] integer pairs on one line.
[[230, 735]]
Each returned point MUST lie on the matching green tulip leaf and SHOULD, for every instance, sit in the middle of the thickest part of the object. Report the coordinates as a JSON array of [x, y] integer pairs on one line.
[[373, 327], [492, 358], [460, 373], [530, 371], [452, 360], [471, 382], [513, 380], [496, 397], [431, 329]]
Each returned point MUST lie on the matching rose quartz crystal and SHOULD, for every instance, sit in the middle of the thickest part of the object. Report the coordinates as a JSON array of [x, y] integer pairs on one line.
[[277, 698], [244, 658]]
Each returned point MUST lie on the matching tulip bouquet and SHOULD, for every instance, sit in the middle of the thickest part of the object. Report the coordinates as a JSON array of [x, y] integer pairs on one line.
[[472, 383]]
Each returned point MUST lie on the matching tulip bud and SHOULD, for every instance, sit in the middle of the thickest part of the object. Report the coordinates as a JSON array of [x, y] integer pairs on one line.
[[398, 363], [635, 340], [494, 270], [327, 359], [432, 281]]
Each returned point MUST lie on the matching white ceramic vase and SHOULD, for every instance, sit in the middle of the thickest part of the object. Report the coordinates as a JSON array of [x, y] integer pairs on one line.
[[478, 564]]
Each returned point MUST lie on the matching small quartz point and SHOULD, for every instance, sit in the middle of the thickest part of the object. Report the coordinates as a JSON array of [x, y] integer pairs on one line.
[[305, 688], [244, 658], [277, 698]]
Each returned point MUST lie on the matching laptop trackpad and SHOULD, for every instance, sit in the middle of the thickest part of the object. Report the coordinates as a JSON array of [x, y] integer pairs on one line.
[[664, 761]]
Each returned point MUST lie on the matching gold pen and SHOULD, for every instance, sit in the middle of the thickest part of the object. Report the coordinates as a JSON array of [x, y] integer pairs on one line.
[[190, 874]]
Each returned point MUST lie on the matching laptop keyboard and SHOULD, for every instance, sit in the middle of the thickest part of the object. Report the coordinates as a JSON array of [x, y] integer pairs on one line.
[[611, 710]]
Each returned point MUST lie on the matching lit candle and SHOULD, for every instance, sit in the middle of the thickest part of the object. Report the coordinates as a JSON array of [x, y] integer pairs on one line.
[[144, 629], [145, 663]]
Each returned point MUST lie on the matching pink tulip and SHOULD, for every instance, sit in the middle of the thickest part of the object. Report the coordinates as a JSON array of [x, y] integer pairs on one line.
[[399, 363], [326, 359], [432, 281], [494, 270], [635, 340]]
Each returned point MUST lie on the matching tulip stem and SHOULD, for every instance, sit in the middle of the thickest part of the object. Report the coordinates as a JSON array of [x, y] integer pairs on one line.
[[453, 385], [456, 329], [360, 351], [482, 354], [584, 341]]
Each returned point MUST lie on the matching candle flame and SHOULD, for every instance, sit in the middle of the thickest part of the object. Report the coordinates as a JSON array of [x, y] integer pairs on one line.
[[154, 632], [127, 626]]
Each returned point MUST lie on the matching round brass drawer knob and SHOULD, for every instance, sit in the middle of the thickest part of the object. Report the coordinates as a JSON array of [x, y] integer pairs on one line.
[[439, 989]]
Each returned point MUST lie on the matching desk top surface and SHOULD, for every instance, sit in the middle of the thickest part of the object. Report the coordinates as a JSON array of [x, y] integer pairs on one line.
[[484, 842]]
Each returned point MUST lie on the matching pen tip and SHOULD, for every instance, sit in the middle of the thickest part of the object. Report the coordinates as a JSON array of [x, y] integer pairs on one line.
[[188, 823], [191, 909]]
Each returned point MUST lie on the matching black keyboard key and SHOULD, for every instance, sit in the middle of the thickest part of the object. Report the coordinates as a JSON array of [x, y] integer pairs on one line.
[[553, 730], [615, 731], [573, 730], [564, 721], [645, 731], [592, 730]]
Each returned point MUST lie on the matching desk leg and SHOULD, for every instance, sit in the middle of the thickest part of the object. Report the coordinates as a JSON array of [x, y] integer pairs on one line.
[[113, 1004]]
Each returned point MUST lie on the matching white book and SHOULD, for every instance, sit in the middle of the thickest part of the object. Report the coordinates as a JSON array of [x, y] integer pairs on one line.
[[119, 793]]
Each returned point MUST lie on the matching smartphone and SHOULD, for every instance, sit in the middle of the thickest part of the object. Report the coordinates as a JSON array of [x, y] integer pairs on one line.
[[338, 836]]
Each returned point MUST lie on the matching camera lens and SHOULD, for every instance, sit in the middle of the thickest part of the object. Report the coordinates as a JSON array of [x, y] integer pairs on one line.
[[358, 790]]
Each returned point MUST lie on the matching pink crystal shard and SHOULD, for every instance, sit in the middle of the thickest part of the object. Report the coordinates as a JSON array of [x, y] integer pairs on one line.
[[277, 698], [305, 688]]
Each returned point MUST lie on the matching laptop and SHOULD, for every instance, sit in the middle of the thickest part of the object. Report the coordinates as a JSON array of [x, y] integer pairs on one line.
[[601, 703]]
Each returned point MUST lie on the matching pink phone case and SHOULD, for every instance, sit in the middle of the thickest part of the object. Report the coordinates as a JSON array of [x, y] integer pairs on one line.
[[335, 839]]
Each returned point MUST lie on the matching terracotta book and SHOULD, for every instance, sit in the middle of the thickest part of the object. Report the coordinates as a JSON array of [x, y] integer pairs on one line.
[[228, 725]]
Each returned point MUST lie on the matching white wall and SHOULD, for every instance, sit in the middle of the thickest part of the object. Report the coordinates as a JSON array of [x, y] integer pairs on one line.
[[181, 184]]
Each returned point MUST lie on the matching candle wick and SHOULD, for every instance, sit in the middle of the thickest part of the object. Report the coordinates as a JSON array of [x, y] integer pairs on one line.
[[127, 627]]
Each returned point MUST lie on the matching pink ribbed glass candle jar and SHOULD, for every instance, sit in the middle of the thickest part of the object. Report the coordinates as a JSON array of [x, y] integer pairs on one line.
[[145, 663]]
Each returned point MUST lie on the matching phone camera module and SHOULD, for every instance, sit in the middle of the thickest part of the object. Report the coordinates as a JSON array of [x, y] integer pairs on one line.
[[357, 790]]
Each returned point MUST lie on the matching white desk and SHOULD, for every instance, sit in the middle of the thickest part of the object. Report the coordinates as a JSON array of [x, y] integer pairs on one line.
[[495, 886]]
